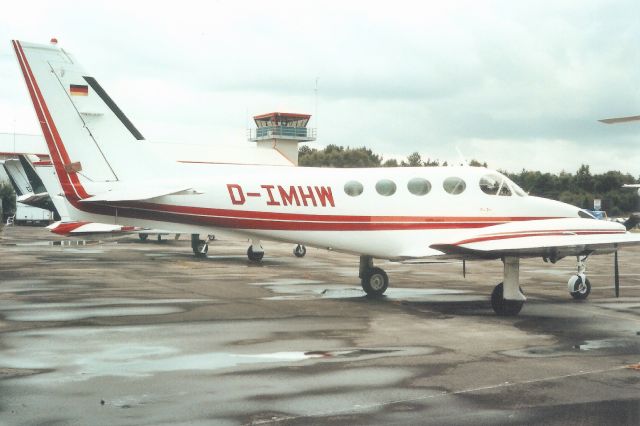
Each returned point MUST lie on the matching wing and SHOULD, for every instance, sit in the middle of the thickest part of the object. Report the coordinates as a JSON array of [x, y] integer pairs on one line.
[[552, 238]]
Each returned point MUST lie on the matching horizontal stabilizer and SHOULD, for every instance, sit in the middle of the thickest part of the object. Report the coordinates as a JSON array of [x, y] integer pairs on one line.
[[137, 194], [89, 228], [31, 199]]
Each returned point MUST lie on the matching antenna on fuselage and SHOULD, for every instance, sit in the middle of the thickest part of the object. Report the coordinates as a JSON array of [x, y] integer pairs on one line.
[[464, 160]]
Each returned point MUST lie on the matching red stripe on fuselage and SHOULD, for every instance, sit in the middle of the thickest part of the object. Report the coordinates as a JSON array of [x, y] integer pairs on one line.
[[260, 220]]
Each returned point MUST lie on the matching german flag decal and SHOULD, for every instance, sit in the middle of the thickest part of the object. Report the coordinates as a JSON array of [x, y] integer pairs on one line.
[[79, 90]]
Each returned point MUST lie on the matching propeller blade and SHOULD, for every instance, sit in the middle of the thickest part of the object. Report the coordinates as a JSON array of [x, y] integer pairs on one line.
[[616, 274], [633, 220], [464, 268]]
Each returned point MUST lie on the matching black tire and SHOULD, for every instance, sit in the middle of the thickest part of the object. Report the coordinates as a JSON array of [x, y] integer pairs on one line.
[[201, 249], [503, 307], [580, 291], [299, 251], [254, 256], [143, 237], [375, 282]]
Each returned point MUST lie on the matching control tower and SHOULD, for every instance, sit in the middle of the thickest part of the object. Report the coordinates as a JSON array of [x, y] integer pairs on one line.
[[282, 131]]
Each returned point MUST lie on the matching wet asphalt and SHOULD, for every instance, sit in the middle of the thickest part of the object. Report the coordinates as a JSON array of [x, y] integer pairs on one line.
[[144, 333]]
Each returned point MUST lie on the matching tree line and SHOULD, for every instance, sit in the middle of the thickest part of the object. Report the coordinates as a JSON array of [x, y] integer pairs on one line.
[[579, 188]]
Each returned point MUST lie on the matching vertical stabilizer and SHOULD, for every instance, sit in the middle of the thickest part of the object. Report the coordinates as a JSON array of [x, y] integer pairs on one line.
[[89, 138]]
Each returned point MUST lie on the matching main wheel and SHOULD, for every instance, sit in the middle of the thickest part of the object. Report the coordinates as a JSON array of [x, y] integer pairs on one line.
[[254, 256], [375, 282], [503, 307], [201, 248], [299, 251], [143, 237], [579, 289]]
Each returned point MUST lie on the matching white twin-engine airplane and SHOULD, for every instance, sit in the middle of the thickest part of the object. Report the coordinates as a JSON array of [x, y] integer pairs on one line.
[[383, 213]]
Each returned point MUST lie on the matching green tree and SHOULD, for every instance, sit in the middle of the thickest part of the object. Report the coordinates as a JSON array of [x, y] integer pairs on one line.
[[338, 156], [8, 197], [413, 160]]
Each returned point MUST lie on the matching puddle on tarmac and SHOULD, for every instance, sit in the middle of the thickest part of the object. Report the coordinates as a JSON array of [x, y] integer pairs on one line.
[[293, 289], [82, 353], [91, 308], [619, 346], [77, 314], [592, 345]]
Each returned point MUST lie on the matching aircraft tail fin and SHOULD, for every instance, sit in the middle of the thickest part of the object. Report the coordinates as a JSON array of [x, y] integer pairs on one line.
[[89, 138]]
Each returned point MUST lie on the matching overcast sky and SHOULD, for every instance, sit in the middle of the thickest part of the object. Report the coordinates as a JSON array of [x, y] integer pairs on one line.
[[519, 84]]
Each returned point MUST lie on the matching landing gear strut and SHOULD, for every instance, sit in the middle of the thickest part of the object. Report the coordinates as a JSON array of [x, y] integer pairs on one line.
[[255, 252], [199, 247], [507, 298], [579, 285], [374, 280], [299, 251]]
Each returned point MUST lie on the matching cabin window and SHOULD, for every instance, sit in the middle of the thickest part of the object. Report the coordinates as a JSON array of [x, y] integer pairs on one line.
[[419, 186], [454, 185], [495, 185], [386, 187], [353, 188]]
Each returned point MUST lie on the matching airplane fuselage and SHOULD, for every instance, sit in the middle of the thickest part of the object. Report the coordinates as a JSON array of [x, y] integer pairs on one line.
[[396, 210]]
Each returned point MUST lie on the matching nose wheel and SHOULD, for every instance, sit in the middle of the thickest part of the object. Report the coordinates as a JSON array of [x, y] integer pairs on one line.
[[579, 285]]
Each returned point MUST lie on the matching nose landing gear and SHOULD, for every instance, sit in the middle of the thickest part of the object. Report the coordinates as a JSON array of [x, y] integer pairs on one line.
[[579, 285]]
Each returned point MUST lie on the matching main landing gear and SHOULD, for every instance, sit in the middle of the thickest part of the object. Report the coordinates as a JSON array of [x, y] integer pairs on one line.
[[507, 298], [374, 280], [299, 251], [199, 247], [579, 285], [255, 252]]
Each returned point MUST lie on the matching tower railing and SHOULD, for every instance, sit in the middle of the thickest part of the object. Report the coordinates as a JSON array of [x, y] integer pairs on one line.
[[281, 132]]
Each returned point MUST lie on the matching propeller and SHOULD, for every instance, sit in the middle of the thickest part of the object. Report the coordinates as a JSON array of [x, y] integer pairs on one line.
[[464, 268], [633, 220], [616, 274]]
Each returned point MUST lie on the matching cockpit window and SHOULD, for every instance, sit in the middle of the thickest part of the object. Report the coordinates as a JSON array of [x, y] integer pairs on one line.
[[585, 214], [495, 185], [516, 189]]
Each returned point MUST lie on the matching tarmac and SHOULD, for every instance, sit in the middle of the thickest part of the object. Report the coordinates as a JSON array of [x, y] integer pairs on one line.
[[143, 333]]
